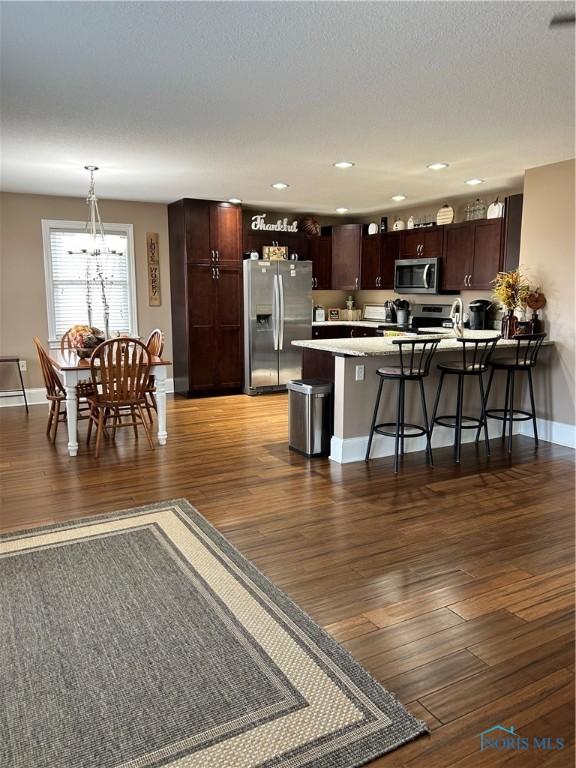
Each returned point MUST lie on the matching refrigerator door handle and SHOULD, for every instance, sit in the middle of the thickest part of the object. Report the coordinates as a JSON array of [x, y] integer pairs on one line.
[[275, 311], [281, 318]]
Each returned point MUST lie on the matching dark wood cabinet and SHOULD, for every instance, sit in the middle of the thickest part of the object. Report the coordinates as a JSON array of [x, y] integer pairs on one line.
[[370, 262], [511, 233], [421, 243], [346, 252], [379, 252], [458, 257], [389, 253], [206, 286], [321, 256], [295, 242], [487, 253], [226, 232], [212, 230], [337, 331], [472, 254]]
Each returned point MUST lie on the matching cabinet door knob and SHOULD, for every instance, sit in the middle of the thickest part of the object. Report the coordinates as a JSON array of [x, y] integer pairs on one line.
[[356, 283], [217, 256], [211, 255], [213, 273], [217, 273]]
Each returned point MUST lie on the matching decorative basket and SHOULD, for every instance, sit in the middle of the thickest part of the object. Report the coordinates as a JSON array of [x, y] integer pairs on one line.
[[84, 339]]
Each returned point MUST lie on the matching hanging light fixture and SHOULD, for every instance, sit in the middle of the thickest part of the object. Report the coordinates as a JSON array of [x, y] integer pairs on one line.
[[98, 248]]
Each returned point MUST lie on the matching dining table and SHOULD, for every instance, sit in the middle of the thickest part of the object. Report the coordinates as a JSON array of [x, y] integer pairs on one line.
[[74, 369]]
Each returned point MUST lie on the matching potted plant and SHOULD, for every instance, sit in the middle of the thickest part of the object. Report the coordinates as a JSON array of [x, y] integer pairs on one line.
[[511, 289]]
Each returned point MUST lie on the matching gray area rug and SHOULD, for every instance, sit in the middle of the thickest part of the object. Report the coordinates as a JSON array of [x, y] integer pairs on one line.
[[144, 638]]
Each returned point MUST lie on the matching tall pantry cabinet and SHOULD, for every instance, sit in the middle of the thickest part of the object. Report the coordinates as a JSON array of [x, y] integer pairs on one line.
[[206, 286]]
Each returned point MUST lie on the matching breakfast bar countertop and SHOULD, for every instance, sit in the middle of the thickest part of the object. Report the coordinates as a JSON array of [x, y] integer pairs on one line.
[[384, 346]]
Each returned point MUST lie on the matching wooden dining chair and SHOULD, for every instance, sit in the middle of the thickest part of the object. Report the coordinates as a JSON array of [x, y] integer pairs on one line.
[[84, 388], [55, 392], [155, 344], [120, 370]]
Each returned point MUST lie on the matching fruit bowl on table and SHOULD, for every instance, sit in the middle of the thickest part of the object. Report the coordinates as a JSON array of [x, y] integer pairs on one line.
[[84, 339]]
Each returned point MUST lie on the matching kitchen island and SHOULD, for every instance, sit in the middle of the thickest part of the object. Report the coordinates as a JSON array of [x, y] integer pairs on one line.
[[353, 364]]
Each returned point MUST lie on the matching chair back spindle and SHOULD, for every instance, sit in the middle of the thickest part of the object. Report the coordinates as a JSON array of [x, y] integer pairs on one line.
[[527, 348], [121, 367], [54, 387], [155, 343], [476, 351], [416, 355]]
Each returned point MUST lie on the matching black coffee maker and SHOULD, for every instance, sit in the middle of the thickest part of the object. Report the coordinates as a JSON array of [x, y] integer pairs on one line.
[[479, 314]]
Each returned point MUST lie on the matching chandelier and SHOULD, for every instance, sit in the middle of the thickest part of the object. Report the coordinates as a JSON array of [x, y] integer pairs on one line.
[[94, 273]]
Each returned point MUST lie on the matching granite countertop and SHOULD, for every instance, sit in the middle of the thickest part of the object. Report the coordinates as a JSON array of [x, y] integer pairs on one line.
[[383, 346]]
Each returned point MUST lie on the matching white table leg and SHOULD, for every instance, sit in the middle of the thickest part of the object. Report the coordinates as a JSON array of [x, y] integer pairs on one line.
[[70, 381], [160, 376]]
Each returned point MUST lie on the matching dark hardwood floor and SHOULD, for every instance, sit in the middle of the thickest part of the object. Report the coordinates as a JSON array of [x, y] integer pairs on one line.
[[452, 585]]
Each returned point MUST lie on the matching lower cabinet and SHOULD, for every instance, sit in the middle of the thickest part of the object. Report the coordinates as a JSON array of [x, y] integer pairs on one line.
[[342, 331], [214, 328]]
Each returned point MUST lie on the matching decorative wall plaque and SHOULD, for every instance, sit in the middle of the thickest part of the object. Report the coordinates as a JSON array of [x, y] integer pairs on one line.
[[153, 256], [281, 225]]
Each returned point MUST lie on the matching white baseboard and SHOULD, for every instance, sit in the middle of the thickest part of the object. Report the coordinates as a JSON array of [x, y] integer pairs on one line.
[[37, 396], [551, 432], [347, 450]]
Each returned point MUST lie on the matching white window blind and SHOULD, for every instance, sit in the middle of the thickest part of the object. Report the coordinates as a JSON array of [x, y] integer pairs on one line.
[[66, 284]]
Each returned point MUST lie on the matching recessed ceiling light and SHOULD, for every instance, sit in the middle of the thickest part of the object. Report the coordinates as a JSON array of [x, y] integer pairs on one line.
[[341, 210], [437, 166], [398, 198], [234, 200], [280, 185], [343, 164], [473, 182]]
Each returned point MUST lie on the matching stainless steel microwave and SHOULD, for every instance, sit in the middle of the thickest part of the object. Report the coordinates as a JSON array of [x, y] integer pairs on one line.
[[417, 276]]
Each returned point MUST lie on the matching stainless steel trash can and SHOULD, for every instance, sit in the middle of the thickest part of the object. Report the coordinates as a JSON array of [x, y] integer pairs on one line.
[[310, 416]]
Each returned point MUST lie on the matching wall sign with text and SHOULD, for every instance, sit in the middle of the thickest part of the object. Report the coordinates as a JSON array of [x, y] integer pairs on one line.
[[153, 256], [260, 224]]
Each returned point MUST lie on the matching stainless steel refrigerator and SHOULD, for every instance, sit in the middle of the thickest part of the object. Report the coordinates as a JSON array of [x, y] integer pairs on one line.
[[277, 311]]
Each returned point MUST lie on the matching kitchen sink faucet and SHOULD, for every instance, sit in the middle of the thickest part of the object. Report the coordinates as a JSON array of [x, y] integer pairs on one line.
[[457, 317]]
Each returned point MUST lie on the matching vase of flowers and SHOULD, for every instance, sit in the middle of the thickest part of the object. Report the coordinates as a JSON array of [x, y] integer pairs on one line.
[[511, 289]]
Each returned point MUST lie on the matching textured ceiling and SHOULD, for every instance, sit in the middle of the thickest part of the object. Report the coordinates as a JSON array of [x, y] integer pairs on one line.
[[216, 100]]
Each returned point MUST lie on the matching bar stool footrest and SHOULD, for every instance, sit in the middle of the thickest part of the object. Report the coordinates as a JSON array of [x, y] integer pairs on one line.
[[383, 429], [499, 413], [468, 422]]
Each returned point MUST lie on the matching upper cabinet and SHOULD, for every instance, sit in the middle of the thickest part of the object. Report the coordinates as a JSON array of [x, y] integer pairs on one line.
[[487, 253], [421, 243], [346, 253], [226, 232], [472, 254], [212, 231], [379, 252], [370, 262], [295, 242], [321, 256]]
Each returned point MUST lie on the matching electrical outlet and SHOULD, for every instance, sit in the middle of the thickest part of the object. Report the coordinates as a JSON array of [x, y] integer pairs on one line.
[[359, 373], [22, 364]]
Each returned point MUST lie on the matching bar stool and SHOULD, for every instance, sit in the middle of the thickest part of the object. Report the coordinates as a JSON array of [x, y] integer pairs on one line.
[[415, 358], [474, 360], [524, 359], [11, 393]]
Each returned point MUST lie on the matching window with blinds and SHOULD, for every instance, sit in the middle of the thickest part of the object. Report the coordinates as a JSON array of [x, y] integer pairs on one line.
[[68, 264]]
